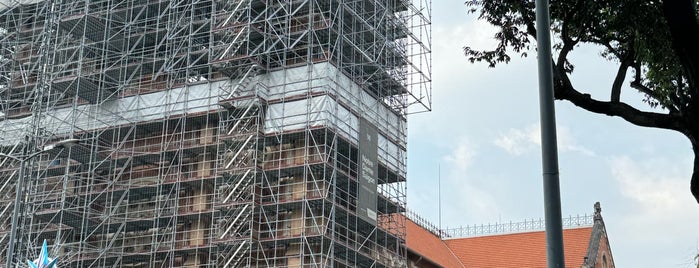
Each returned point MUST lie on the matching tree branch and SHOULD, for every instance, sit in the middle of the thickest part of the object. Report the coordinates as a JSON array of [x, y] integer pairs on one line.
[[626, 60], [524, 11], [623, 110], [620, 77], [564, 90], [684, 30], [645, 90], [568, 45], [694, 182], [674, 107]]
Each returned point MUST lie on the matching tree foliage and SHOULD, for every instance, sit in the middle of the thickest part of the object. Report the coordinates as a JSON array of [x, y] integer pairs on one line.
[[652, 42]]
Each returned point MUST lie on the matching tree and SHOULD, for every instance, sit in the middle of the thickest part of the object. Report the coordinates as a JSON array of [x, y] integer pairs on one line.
[[652, 42]]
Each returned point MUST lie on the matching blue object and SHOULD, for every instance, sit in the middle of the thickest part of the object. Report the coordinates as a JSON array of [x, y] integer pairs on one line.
[[44, 261]]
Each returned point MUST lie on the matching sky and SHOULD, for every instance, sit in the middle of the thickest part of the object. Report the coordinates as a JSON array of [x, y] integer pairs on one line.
[[481, 141]]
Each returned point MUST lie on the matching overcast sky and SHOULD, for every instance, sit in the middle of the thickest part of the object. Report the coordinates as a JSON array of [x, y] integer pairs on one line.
[[484, 134]]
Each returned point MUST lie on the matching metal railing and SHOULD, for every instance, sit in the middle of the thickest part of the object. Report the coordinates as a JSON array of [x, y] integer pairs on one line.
[[516, 227], [530, 225], [426, 224]]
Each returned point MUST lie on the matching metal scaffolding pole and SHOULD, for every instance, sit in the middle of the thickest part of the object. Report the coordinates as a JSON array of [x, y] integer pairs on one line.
[[15, 213]]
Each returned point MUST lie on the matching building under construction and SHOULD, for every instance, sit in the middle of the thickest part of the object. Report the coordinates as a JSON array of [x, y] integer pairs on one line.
[[208, 133]]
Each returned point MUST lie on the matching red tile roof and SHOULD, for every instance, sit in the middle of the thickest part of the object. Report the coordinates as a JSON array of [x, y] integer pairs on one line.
[[429, 246], [517, 250]]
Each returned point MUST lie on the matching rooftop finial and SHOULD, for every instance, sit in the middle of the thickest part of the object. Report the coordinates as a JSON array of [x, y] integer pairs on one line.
[[598, 211]]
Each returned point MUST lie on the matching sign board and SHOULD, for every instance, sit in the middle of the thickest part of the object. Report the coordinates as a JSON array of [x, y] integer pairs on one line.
[[368, 171]]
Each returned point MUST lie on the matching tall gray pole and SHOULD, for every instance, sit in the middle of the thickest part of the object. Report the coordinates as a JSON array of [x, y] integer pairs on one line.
[[549, 150], [15, 214]]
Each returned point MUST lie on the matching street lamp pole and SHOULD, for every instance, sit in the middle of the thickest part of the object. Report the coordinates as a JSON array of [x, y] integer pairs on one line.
[[549, 148], [20, 187]]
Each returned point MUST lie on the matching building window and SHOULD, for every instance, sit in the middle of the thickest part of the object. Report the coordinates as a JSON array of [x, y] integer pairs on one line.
[[604, 261]]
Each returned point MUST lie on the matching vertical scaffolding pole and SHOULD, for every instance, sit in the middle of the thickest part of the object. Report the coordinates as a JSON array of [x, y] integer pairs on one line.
[[13, 233], [552, 195]]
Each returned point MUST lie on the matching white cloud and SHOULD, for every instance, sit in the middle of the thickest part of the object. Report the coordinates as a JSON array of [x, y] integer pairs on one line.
[[528, 139], [659, 188], [662, 212], [461, 157], [447, 50], [475, 201], [568, 143], [519, 141], [469, 193], [654, 188]]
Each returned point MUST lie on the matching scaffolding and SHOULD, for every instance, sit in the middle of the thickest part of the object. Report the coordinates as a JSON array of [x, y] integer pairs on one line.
[[211, 133]]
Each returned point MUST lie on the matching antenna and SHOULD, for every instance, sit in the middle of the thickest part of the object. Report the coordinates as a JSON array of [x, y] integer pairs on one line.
[[439, 196]]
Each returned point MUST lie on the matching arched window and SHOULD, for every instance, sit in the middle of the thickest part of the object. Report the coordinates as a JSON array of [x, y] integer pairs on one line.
[[604, 261]]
